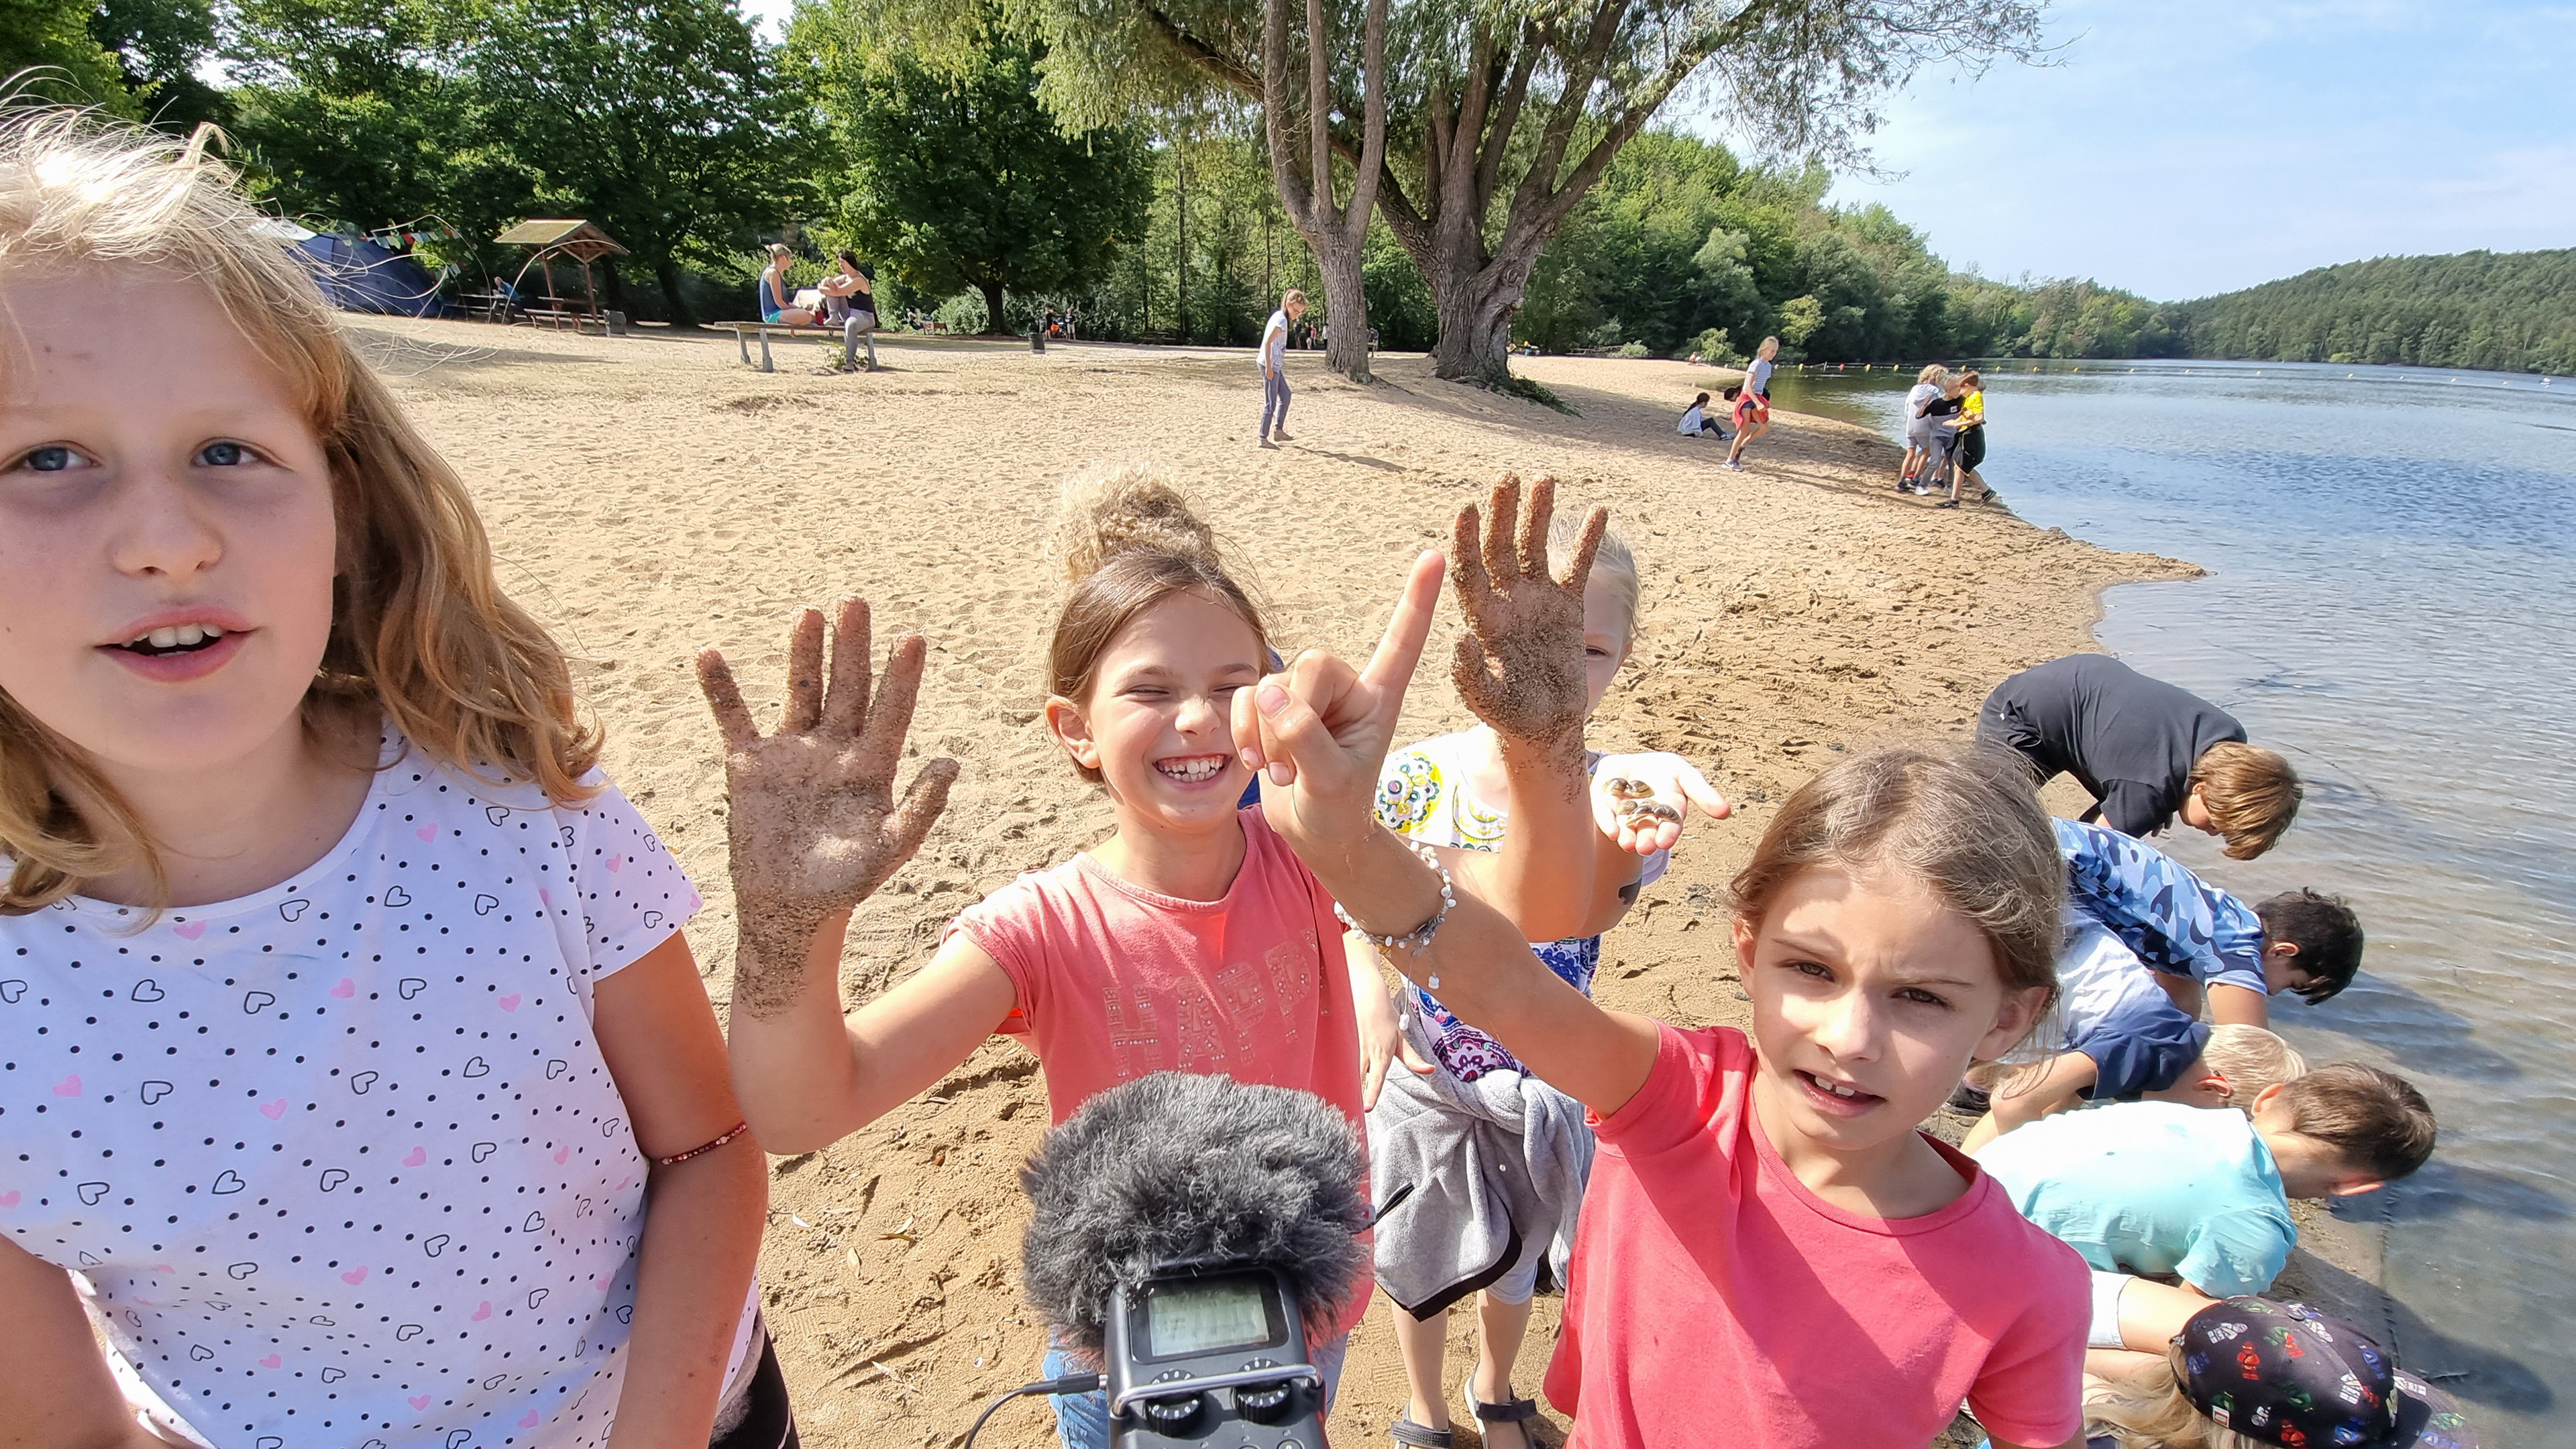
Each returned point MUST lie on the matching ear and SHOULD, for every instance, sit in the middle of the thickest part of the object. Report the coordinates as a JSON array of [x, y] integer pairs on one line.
[[2280, 950], [2213, 1089], [1746, 937], [2264, 1099], [2019, 1013], [2355, 1189], [1064, 721]]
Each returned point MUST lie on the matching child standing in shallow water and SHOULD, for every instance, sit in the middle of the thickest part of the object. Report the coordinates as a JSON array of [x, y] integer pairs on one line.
[[1190, 939], [1771, 1252], [359, 1067]]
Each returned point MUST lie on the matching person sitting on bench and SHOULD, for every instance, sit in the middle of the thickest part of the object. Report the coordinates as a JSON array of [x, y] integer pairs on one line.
[[849, 299], [773, 291]]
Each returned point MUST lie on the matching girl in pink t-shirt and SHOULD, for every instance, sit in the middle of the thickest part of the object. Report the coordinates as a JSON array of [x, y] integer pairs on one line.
[[1192, 939], [1770, 1251]]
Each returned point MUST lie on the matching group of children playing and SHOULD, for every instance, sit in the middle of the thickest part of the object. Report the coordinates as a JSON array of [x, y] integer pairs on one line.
[[1945, 434], [358, 1087]]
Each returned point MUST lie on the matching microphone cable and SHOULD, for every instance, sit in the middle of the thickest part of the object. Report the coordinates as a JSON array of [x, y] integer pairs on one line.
[[1069, 1384]]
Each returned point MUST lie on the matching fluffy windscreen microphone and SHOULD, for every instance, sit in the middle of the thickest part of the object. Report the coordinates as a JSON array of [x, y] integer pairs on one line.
[[1179, 1168]]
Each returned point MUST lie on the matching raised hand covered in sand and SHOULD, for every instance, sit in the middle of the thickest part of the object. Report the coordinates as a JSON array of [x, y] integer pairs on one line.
[[1642, 800], [1520, 665], [813, 823]]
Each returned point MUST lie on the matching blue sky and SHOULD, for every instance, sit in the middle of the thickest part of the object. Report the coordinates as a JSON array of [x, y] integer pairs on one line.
[[2184, 147]]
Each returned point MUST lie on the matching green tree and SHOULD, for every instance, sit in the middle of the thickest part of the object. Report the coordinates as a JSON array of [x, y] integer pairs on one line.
[[663, 121], [52, 38], [359, 113], [960, 179], [158, 45], [1501, 115]]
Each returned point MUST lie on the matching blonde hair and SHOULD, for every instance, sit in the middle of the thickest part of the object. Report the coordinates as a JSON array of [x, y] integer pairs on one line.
[[1293, 294], [2148, 1409], [419, 627], [1933, 373], [1612, 562], [2252, 1060], [2252, 795], [1127, 540], [1967, 827]]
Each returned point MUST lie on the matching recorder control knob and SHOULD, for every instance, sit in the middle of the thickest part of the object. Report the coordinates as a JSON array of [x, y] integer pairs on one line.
[[1173, 1416]]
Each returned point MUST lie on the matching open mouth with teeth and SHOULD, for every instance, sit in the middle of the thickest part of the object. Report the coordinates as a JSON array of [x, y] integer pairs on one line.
[[1837, 1093], [1192, 769], [181, 639]]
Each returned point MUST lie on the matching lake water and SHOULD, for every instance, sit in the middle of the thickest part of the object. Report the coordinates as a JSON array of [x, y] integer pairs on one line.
[[2388, 603]]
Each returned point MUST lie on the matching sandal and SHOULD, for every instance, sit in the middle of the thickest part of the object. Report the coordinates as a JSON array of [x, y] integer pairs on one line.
[[1408, 1432], [1511, 1411]]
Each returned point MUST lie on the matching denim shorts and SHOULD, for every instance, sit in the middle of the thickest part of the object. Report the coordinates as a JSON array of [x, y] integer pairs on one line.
[[1082, 1420]]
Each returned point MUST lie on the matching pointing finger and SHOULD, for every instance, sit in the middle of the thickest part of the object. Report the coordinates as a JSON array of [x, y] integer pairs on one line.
[[1390, 669], [733, 717]]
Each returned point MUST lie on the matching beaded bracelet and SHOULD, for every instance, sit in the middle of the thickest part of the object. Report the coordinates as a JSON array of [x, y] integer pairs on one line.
[[1421, 935], [729, 1134]]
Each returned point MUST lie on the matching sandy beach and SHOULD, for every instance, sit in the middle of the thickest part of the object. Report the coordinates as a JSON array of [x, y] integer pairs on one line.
[[650, 495]]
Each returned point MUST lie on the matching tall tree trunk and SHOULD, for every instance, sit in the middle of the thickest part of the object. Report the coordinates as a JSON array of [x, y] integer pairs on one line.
[[674, 304], [1338, 234], [1476, 304], [1346, 348], [993, 324]]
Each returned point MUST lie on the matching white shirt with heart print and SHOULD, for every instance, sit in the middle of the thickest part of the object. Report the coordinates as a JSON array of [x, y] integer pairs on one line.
[[339, 1163]]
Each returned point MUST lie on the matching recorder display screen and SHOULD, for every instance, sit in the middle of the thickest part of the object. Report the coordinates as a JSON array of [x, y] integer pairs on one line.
[[1201, 1317]]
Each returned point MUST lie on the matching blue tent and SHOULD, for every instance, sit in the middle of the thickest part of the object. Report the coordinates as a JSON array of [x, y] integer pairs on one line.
[[360, 276]]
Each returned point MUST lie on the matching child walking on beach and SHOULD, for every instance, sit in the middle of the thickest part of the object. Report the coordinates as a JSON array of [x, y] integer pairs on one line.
[[1274, 367], [1770, 1252], [1191, 938], [1753, 403], [359, 1072], [1496, 1157]]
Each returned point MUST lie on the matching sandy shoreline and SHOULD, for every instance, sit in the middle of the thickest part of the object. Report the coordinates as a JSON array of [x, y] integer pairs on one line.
[[648, 496]]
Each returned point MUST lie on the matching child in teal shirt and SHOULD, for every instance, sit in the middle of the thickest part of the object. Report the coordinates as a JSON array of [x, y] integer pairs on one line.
[[2158, 1187]]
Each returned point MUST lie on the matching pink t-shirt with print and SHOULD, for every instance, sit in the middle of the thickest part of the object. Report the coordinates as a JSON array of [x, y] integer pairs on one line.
[[1711, 1289]]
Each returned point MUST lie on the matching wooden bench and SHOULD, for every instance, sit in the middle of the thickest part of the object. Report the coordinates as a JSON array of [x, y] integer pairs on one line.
[[744, 331]]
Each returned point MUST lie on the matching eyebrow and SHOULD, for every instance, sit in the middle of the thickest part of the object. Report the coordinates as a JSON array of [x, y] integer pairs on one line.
[[1810, 946]]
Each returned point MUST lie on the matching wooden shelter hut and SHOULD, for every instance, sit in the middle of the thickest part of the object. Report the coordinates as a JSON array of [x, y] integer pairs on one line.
[[561, 237]]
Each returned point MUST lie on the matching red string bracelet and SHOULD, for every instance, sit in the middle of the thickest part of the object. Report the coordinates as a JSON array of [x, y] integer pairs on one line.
[[729, 1134]]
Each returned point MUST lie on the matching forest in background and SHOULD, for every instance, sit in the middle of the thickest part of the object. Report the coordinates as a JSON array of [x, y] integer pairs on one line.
[[675, 127]]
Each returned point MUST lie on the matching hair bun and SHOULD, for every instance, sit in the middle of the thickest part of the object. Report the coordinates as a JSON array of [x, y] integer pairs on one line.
[[1108, 511]]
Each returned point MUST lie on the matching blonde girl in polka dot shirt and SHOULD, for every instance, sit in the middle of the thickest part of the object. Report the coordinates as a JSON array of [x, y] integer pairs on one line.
[[354, 1073]]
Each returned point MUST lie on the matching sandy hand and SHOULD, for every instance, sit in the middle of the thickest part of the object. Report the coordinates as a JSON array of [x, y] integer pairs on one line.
[[813, 823], [1520, 665]]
